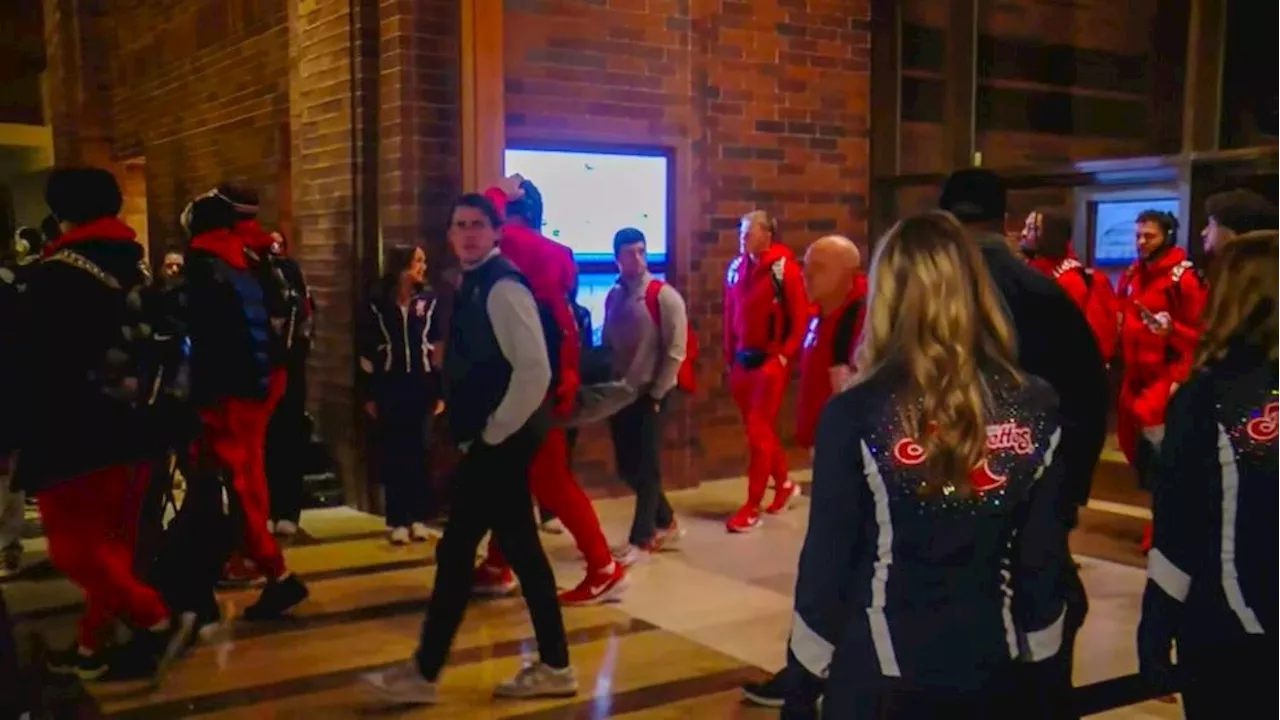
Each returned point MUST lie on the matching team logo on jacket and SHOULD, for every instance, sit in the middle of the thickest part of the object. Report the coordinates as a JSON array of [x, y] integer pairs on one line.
[[420, 308], [1007, 437], [811, 335], [1263, 428]]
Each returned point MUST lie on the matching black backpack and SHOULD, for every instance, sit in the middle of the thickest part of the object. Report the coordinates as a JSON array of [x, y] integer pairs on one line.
[[283, 301], [148, 365]]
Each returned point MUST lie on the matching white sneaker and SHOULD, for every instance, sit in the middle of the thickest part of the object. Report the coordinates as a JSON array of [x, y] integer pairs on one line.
[[553, 527], [630, 555], [399, 536], [538, 681], [419, 532], [286, 528], [401, 684]]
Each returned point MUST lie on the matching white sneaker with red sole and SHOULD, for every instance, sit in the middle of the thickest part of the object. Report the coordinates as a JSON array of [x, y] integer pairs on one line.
[[784, 496], [598, 586]]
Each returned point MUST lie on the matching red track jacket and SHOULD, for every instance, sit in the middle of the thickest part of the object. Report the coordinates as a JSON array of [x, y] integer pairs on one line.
[[551, 271], [754, 319], [1166, 287]]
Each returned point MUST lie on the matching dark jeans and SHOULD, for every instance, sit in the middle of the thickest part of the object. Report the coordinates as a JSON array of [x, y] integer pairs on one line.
[[287, 441], [401, 450], [491, 492], [637, 438]]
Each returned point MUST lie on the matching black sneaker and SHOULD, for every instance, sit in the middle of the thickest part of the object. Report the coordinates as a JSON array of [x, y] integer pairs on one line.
[[277, 599], [771, 693], [73, 662]]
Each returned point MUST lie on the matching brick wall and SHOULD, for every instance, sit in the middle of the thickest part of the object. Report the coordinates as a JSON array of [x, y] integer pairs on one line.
[[199, 88], [763, 104], [1058, 82]]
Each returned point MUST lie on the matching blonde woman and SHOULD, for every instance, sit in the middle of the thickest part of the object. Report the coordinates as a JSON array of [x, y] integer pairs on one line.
[[935, 548], [1212, 566]]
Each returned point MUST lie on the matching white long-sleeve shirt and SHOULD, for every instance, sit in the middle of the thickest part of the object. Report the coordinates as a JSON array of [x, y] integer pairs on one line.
[[518, 329]]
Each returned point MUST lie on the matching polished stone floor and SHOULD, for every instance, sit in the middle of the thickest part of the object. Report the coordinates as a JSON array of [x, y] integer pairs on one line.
[[694, 625]]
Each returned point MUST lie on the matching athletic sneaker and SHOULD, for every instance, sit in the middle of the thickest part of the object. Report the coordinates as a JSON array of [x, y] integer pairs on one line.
[[667, 538], [539, 681], [401, 684], [419, 532], [783, 497], [630, 555], [83, 663], [745, 520], [286, 528], [552, 527], [598, 586], [399, 536], [771, 693], [278, 598], [163, 647], [491, 581]]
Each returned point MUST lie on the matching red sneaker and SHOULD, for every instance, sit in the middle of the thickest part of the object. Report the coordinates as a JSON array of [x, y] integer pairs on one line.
[[783, 495], [598, 586], [492, 581], [745, 520]]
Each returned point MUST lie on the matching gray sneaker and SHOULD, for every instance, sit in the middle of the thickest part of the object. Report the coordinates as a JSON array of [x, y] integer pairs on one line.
[[401, 684], [539, 681]]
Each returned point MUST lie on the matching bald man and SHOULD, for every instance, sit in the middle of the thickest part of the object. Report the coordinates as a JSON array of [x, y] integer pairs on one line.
[[836, 288]]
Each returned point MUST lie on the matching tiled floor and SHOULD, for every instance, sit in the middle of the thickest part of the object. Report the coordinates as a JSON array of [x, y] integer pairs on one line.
[[694, 625]]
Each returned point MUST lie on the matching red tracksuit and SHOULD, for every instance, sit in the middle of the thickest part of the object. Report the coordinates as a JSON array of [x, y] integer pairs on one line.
[[235, 429], [1164, 289], [765, 313], [1070, 275], [823, 351], [550, 270]]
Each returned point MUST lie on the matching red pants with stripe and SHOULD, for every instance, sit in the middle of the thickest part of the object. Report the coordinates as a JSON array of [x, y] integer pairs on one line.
[[554, 487], [758, 395], [91, 523], [236, 432]]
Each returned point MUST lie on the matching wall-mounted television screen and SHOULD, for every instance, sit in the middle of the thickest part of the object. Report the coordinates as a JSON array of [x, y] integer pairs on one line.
[[588, 196], [1113, 228]]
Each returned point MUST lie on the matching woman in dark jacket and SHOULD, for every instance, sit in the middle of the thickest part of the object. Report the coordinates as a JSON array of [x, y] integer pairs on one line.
[[935, 542], [401, 390], [1211, 572]]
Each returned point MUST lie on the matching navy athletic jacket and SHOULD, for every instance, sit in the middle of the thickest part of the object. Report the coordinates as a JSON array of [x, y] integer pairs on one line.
[[1211, 572], [940, 592]]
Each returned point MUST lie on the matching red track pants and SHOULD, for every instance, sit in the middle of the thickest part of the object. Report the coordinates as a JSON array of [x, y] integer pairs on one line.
[[555, 489], [758, 395], [91, 523], [236, 431]]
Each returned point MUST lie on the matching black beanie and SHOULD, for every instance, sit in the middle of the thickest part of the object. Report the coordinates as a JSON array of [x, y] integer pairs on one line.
[[83, 194]]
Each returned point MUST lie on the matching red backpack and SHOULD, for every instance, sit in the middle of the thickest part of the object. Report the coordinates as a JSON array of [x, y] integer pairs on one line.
[[686, 377], [1101, 308]]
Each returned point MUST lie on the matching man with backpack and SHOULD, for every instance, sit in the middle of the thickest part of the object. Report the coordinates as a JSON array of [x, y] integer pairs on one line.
[[1046, 243], [232, 374], [764, 324], [646, 329], [88, 428]]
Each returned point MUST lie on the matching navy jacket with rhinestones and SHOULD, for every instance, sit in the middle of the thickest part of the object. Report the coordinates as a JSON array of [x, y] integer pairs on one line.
[[938, 591], [1212, 567]]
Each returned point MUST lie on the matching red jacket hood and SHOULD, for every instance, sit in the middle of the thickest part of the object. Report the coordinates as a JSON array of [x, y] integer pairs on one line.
[[253, 236], [1162, 264], [223, 244], [103, 230]]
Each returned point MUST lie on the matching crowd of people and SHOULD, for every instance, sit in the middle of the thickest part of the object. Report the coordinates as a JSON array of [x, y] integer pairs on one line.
[[954, 397]]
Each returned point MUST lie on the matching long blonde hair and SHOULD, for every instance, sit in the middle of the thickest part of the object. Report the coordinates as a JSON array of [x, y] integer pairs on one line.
[[1241, 308], [933, 313]]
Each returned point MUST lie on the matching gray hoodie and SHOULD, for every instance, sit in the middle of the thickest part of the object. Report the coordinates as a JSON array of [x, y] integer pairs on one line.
[[647, 357]]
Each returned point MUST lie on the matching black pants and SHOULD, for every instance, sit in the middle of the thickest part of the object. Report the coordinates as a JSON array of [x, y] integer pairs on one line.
[[491, 492], [404, 407], [1044, 689], [898, 700], [637, 436], [1233, 680], [288, 436]]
